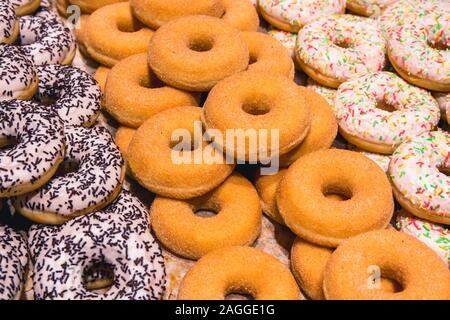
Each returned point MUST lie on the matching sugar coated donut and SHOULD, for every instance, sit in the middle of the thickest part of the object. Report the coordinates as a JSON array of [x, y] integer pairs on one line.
[[268, 55], [418, 184], [81, 34], [89, 6], [113, 34], [364, 111], [18, 79], [123, 139], [436, 236], [9, 24], [195, 59], [443, 100], [240, 14], [366, 204], [336, 48], [170, 168], [258, 101], [95, 182], [368, 7], [328, 93], [354, 265], [36, 138], [323, 129], [61, 6], [13, 263], [292, 15], [119, 235], [381, 160], [267, 186], [25, 7], [133, 93], [287, 39], [155, 13], [46, 43], [237, 219], [239, 270], [76, 95], [101, 74]]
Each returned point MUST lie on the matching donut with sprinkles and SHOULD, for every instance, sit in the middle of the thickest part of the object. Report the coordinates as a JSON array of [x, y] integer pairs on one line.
[[78, 96], [35, 136], [13, 263], [9, 24], [287, 39], [328, 93], [94, 179], [443, 100], [379, 111], [119, 235], [337, 48]]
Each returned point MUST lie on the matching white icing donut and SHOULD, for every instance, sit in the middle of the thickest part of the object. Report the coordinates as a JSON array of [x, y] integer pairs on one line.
[[18, 75], [9, 25], [356, 106], [46, 42], [443, 100], [119, 235], [321, 46], [414, 173], [287, 39], [93, 185], [39, 133], [13, 263], [77, 94]]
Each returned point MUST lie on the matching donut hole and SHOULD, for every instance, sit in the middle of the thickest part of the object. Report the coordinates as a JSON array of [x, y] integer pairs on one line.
[[184, 145], [256, 107], [239, 293], [129, 26], [8, 143], [439, 45], [206, 210], [253, 59], [383, 105], [201, 44], [98, 276], [445, 171], [337, 192], [67, 167], [388, 281], [343, 43]]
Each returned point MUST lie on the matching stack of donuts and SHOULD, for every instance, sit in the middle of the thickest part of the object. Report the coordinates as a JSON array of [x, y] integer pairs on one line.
[[344, 108]]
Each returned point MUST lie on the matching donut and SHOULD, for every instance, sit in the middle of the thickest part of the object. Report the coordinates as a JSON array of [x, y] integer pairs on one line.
[[196, 59], [35, 136], [367, 203], [236, 220], [101, 74], [46, 43], [436, 236], [61, 6], [443, 100], [81, 34], [377, 112], [239, 270], [151, 154], [418, 50], [240, 14], [89, 6], [287, 39], [267, 55], [267, 186], [133, 93], [337, 48], [381, 160], [368, 8], [258, 101], [25, 7], [46, 11], [94, 179], [323, 129], [118, 235], [419, 271], [112, 34], [328, 93], [292, 15], [75, 93], [13, 263], [123, 139], [417, 172], [18, 79], [155, 13], [9, 24]]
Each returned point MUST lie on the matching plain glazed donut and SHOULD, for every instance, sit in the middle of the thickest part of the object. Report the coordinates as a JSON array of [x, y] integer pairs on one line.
[[195, 59], [112, 34], [9, 24], [240, 14], [323, 129], [292, 15], [36, 134], [363, 123], [368, 8], [123, 139], [133, 93], [156, 13], [75, 95], [420, 272], [258, 101], [89, 6], [25, 7], [119, 236], [101, 74], [18, 79], [237, 219], [417, 172], [239, 270], [267, 186], [13, 263], [336, 48], [95, 182], [151, 156], [267, 55], [367, 202]]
